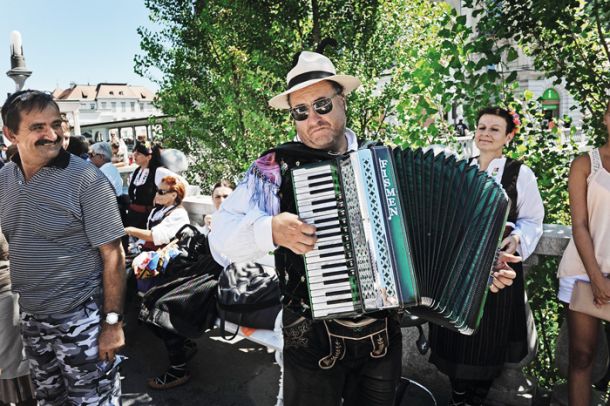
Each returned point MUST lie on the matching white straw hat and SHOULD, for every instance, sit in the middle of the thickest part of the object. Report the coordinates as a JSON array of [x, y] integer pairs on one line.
[[312, 68]]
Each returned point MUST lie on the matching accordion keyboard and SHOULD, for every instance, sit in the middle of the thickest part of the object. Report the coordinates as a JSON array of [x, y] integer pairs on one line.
[[330, 265]]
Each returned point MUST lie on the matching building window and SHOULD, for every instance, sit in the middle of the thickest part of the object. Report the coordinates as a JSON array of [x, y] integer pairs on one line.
[[141, 106], [113, 105], [92, 106], [111, 93], [103, 105], [133, 106], [123, 107]]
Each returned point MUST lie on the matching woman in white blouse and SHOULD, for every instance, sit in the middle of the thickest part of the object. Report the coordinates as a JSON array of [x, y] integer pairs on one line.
[[472, 362], [167, 217]]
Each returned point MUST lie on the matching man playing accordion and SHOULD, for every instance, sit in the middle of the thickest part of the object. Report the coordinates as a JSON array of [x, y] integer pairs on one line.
[[357, 360]]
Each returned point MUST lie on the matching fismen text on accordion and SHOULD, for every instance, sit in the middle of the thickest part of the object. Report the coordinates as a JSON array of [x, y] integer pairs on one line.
[[400, 228]]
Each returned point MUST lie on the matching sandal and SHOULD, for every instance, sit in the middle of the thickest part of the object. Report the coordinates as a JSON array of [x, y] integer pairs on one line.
[[169, 380]]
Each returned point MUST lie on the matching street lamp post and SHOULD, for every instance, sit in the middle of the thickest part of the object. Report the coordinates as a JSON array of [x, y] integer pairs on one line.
[[19, 72]]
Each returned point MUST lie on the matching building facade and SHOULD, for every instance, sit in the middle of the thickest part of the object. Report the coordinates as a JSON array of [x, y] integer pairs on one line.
[[87, 105]]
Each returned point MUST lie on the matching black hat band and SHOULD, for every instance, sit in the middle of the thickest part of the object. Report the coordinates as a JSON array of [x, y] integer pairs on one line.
[[304, 77]]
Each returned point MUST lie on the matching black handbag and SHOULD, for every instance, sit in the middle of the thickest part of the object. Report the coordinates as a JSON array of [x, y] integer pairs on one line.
[[185, 302], [185, 306], [193, 257], [248, 296]]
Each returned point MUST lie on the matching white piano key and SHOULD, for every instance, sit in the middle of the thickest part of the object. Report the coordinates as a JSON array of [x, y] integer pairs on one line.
[[322, 310], [318, 206], [326, 222], [304, 182], [304, 172], [330, 286], [333, 264], [327, 250], [310, 213], [313, 260], [325, 299], [314, 189], [312, 273], [319, 218], [318, 279], [303, 202]]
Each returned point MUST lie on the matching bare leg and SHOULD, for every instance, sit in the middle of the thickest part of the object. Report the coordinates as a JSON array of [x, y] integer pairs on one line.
[[583, 333]]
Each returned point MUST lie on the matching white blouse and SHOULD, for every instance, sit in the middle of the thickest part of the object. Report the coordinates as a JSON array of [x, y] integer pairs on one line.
[[165, 231], [530, 209]]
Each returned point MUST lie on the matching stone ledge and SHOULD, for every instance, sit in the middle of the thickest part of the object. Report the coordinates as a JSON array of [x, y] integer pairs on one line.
[[555, 238]]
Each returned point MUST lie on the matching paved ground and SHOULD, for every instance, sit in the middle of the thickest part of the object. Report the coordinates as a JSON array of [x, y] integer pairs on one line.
[[237, 373]]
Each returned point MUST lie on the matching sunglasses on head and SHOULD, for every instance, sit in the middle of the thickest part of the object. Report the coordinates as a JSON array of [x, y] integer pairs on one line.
[[321, 106], [163, 192]]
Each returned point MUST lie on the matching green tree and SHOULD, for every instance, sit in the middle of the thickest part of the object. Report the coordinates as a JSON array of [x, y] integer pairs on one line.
[[221, 61], [569, 40]]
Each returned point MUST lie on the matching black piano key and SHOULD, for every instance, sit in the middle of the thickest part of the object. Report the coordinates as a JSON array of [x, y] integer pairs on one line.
[[317, 176], [316, 192], [339, 292], [334, 282], [336, 245], [331, 302]]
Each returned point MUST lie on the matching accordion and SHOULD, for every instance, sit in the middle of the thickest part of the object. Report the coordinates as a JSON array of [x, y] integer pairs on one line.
[[400, 228]]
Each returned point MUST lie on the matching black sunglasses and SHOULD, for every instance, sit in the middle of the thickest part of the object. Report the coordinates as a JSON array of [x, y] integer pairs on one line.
[[321, 106], [164, 192]]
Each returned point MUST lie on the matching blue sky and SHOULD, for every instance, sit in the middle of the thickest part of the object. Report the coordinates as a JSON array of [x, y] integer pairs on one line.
[[82, 41]]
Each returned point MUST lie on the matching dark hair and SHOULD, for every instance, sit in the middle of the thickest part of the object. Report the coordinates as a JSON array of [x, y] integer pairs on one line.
[[223, 183], [154, 152], [142, 148], [175, 185], [24, 101], [500, 112], [11, 151], [78, 146]]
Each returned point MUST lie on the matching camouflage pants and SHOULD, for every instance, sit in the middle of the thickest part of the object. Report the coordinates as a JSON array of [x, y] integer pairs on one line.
[[64, 363]]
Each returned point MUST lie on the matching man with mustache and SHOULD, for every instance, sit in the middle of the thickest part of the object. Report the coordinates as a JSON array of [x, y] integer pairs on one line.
[[61, 220]]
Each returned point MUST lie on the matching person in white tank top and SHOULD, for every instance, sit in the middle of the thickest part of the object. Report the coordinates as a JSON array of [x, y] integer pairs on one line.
[[586, 259]]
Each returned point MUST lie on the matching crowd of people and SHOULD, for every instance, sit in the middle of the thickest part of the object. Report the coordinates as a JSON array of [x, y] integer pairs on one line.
[[68, 223]]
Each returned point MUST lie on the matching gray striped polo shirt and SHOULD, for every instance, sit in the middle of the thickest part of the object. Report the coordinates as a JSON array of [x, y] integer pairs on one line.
[[54, 224]]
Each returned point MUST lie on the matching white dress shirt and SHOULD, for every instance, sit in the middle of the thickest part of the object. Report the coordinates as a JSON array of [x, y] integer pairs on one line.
[[242, 230], [530, 208]]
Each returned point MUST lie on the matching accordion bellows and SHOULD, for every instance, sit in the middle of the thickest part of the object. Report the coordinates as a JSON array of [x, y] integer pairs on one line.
[[401, 228]]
